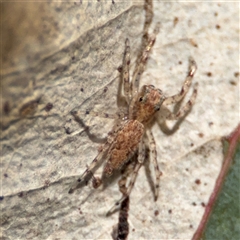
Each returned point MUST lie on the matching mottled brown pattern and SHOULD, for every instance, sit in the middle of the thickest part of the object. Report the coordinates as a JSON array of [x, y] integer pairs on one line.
[[148, 102], [124, 146]]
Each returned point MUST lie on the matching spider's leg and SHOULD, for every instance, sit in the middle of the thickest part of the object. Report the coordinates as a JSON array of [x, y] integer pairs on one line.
[[119, 115], [89, 171], [140, 68], [141, 152], [96, 182], [123, 225], [141, 157], [126, 172], [125, 75], [187, 83], [130, 186], [153, 151], [122, 229], [183, 110]]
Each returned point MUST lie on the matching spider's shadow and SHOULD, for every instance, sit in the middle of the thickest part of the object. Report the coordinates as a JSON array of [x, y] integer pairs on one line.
[[148, 172], [86, 128], [167, 131], [163, 125]]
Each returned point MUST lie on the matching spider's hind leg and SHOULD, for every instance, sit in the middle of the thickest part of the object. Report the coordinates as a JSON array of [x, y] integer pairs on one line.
[[96, 182], [102, 151]]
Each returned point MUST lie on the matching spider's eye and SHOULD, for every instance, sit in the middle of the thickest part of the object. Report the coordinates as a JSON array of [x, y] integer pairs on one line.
[[140, 99]]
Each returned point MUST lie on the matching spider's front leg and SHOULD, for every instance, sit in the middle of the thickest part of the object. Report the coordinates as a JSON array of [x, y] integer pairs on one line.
[[186, 85], [178, 97], [186, 107]]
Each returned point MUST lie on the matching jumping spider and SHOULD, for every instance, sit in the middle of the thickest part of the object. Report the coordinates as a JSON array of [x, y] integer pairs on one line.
[[132, 129]]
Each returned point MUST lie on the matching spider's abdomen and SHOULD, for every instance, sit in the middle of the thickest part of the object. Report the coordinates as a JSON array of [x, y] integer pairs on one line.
[[124, 146]]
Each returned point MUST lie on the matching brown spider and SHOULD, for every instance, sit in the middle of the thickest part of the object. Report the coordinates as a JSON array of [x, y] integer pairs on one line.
[[132, 129]]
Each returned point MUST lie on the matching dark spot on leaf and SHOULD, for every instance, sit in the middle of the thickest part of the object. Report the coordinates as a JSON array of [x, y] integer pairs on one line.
[[209, 74], [198, 181]]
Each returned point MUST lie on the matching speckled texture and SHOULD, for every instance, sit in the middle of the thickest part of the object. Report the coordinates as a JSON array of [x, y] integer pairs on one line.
[[73, 64]]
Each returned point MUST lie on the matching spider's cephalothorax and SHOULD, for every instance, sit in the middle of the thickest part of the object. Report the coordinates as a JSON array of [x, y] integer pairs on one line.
[[146, 103], [131, 132]]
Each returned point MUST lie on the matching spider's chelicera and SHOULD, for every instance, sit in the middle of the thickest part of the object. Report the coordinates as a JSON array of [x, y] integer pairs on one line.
[[131, 132]]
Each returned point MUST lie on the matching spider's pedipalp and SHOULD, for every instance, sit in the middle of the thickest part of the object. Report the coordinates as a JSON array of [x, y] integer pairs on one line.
[[187, 83]]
